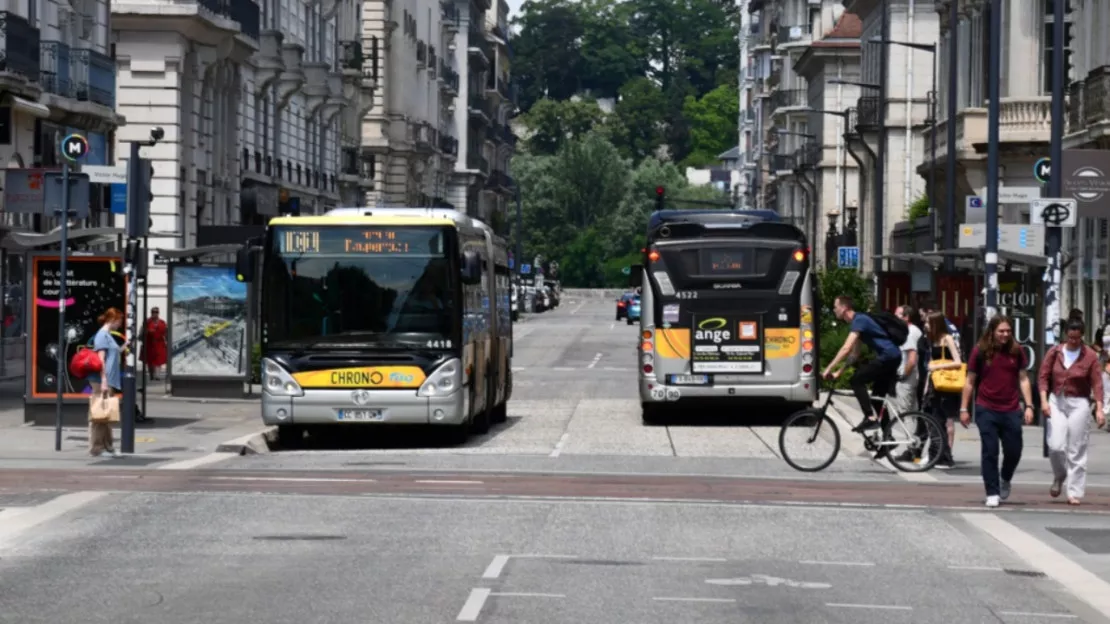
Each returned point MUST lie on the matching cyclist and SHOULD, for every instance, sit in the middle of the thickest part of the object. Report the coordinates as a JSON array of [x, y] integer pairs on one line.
[[880, 372]]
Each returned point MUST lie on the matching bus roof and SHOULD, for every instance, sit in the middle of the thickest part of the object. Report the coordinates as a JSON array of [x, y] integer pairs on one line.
[[755, 223], [354, 219]]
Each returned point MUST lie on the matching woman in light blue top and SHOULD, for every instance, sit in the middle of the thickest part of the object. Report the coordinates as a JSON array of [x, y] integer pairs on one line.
[[105, 382]]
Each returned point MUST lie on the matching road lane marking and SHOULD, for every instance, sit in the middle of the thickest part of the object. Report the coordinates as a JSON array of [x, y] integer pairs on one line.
[[838, 563], [294, 479], [1063, 616], [558, 450], [597, 358], [473, 605], [528, 595], [563, 368], [541, 556], [1040, 556], [574, 311], [917, 477], [841, 605], [448, 482], [705, 559], [188, 464], [12, 524], [680, 599], [975, 568], [493, 570], [611, 326]]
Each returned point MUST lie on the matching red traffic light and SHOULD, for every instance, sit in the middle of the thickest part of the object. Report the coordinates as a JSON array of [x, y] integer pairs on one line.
[[659, 190]]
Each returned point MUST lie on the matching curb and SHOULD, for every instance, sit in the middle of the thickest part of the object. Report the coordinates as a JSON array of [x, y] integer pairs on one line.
[[256, 443]]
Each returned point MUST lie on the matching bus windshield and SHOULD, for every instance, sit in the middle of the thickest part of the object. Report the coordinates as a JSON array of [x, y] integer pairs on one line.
[[357, 284]]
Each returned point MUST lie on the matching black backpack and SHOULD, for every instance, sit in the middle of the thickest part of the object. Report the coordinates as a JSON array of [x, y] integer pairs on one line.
[[896, 329]]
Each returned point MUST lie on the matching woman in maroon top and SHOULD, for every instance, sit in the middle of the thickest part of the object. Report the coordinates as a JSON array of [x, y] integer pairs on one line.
[[995, 372], [1071, 373]]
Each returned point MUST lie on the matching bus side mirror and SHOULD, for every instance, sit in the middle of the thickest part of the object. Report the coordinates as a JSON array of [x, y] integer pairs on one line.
[[471, 268], [244, 265], [636, 275]]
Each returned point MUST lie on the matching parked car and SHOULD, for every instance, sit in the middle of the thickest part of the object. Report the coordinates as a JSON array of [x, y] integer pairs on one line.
[[622, 304]]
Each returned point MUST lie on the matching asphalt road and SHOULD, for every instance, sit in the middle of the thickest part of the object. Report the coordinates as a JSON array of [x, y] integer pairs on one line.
[[572, 512]]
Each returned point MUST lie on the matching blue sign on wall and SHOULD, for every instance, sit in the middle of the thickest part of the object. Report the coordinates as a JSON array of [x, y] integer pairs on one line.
[[847, 257], [98, 146], [119, 199], [526, 269]]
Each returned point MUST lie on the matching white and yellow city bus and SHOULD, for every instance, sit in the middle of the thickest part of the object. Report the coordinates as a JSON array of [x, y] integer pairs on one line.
[[728, 316], [383, 315]]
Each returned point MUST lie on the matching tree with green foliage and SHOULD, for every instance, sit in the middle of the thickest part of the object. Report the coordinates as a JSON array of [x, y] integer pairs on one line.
[[547, 58], [713, 120], [639, 124], [833, 283], [551, 123]]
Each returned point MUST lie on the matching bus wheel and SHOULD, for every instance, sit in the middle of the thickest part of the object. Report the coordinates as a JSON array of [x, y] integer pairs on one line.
[[480, 423], [290, 436], [501, 412], [651, 414]]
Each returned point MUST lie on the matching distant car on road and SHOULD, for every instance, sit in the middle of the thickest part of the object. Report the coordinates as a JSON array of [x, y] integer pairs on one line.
[[622, 305], [633, 313]]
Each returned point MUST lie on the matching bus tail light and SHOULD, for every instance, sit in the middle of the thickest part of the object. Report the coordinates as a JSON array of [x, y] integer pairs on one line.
[[648, 368], [809, 355]]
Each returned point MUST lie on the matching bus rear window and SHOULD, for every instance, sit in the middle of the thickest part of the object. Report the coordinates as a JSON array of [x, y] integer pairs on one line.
[[753, 265]]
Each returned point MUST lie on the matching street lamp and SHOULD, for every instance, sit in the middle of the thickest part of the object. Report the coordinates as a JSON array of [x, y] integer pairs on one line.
[[950, 212]]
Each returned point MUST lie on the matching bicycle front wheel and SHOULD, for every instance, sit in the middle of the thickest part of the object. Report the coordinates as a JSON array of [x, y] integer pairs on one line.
[[915, 440], [809, 440]]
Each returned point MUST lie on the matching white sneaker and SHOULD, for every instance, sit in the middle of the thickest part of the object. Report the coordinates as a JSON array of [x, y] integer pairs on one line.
[[992, 501], [1004, 490]]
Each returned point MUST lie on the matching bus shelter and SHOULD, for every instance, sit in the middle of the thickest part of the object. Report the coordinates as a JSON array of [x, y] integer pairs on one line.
[[94, 283], [211, 316]]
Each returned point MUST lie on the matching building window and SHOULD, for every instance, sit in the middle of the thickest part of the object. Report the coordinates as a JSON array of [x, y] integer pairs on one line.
[[1048, 44]]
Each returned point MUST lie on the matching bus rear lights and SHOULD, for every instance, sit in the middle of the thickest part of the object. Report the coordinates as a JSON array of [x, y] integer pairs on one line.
[[647, 358], [438, 414], [807, 334], [281, 413], [807, 345], [646, 334], [653, 256], [648, 368], [808, 368], [807, 358], [799, 255], [647, 347]]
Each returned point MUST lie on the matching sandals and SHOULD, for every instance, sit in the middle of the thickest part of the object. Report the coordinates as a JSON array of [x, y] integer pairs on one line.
[[1073, 501]]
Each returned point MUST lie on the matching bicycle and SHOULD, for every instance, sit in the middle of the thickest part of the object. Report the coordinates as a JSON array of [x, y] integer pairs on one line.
[[920, 455]]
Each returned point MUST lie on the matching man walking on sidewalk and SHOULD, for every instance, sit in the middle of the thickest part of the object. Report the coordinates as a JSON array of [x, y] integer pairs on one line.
[[1072, 373], [996, 371]]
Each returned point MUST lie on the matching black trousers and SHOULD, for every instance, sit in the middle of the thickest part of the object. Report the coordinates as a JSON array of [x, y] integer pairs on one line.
[[881, 374]]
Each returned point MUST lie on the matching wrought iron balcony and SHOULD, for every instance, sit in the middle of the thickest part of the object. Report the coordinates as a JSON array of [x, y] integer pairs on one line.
[[247, 14], [808, 155], [56, 67], [867, 113], [1096, 96], [19, 53], [784, 98], [350, 55], [782, 162], [448, 144], [480, 107], [94, 77], [449, 76], [349, 161], [794, 34], [421, 53], [479, 46], [499, 180], [449, 13]]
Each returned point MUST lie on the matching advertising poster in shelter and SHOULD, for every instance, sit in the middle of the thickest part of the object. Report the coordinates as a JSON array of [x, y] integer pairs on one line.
[[93, 284], [208, 322]]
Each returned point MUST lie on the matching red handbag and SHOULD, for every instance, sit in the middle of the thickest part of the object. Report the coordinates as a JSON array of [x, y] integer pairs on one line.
[[85, 362]]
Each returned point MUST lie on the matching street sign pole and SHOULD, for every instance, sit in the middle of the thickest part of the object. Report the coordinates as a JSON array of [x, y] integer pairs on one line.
[[990, 300], [74, 147], [1054, 235]]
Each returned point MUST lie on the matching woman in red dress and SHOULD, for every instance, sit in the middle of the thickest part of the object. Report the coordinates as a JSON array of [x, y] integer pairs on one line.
[[154, 343]]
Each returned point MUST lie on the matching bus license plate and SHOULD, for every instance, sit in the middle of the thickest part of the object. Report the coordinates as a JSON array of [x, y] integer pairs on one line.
[[362, 415], [727, 379], [690, 380]]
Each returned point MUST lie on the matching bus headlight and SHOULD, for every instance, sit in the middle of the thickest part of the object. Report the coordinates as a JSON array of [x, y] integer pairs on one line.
[[445, 380], [275, 380]]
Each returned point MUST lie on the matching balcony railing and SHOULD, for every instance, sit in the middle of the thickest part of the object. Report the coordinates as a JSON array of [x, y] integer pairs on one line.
[[794, 34], [477, 41], [808, 155], [784, 98], [1087, 101], [505, 134], [350, 55], [1022, 120], [867, 113], [55, 72], [247, 14], [94, 74], [479, 104], [421, 53], [19, 53], [450, 77], [782, 162], [448, 144], [450, 14]]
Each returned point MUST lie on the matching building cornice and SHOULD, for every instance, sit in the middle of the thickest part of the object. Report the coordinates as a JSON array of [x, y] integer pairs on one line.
[[813, 59]]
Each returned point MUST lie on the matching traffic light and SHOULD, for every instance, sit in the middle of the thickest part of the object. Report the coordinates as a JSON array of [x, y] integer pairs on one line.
[[660, 194]]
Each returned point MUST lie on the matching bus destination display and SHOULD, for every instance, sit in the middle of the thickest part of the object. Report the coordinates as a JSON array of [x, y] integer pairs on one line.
[[368, 241], [726, 262]]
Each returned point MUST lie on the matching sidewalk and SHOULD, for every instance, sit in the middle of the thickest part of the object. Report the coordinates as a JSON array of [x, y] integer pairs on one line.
[[180, 430], [1034, 468]]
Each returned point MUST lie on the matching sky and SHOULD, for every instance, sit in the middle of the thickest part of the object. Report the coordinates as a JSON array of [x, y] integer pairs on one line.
[[514, 7], [193, 282]]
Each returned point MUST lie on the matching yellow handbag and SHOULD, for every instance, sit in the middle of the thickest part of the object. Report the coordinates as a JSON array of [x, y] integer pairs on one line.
[[949, 379]]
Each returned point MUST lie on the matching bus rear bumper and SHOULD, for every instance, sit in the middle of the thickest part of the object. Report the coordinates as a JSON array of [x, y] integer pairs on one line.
[[804, 391], [389, 407]]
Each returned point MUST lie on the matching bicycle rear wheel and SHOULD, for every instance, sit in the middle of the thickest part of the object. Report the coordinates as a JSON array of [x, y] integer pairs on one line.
[[915, 442], [809, 440]]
